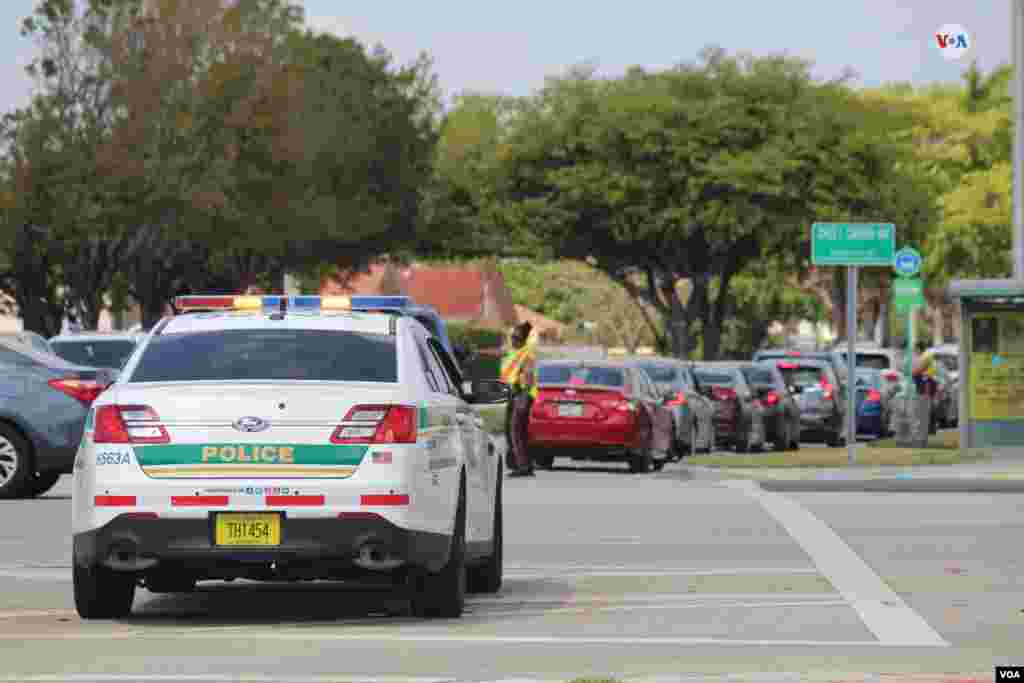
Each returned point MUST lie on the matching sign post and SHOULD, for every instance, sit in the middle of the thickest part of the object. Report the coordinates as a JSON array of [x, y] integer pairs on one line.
[[852, 245], [908, 295]]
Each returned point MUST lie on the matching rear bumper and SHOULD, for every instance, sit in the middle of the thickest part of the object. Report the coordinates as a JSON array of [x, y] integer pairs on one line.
[[325, 547], [562, 434], [871, 424]]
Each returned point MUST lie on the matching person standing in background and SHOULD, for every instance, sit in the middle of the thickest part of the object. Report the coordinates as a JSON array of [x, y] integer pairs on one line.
[[518, 371]]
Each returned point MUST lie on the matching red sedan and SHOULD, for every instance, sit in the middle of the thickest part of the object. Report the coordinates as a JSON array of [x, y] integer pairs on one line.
[[601, 411]]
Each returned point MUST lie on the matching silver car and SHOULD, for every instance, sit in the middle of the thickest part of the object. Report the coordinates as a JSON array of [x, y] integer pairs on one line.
[[96, 349], [29, 339]]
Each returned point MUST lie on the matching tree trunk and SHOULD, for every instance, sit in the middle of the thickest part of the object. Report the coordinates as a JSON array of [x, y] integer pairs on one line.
[[938, 325], [758, 334]]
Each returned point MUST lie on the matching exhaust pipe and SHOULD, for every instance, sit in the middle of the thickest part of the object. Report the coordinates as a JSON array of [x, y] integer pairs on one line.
[[375, 558], [124, 556]]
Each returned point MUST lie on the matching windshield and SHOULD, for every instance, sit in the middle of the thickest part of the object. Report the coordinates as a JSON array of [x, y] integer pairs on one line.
[[100, 353], [568, 374], [718, 378], [661, 374], [758, 376], [802, 376], [262, 355]]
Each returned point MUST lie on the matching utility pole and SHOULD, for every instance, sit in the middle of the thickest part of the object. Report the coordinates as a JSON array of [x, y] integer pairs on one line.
[[1017, 30]]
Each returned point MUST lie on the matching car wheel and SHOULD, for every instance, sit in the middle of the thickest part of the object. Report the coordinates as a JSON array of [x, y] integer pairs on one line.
[[102, 593], [836, 439], [544, 462], [15, 463], [41, 483], [782, 443], [641, 462], [487, 577], [743, 443], [710, 440], [794, 444], [443, 594]]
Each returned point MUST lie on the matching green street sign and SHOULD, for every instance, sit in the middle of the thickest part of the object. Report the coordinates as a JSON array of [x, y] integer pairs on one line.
[[908, 292], [853, 244]]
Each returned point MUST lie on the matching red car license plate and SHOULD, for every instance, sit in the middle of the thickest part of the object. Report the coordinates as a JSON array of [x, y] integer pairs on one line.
[[570, 410]]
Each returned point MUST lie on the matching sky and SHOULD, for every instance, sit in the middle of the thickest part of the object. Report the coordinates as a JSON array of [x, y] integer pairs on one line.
[[511, 48]]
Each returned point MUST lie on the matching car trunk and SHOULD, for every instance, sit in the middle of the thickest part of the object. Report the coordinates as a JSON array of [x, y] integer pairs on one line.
[[574, 402], [292, 435]]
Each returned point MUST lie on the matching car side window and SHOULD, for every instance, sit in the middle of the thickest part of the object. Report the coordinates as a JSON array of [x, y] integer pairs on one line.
[[448, 382], [428, 368]]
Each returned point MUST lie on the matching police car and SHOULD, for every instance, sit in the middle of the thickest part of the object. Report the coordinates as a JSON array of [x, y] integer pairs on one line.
[[282, 438]]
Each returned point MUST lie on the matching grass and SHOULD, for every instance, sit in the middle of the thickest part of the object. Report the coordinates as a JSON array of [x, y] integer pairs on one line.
[[942, 449]]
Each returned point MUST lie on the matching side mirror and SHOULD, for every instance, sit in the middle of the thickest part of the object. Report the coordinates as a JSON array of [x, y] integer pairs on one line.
[[486, 391]]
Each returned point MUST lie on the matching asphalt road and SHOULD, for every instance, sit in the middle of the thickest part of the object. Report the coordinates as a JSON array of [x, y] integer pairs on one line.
[[657, 577]]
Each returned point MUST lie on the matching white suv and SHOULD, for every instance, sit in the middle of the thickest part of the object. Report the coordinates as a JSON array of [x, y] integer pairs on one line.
[[271, 438]]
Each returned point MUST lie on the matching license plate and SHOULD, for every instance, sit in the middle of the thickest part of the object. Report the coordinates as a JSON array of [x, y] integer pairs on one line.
[[248, 529], [570, 410]]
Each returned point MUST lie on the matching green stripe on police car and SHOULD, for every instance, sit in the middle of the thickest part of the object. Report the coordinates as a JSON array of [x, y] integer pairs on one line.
[[249, 454]]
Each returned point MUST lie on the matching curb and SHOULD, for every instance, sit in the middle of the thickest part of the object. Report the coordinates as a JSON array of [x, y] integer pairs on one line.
[[901, 485]]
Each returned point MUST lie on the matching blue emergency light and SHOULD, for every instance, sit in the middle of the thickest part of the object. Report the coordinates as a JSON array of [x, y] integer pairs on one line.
[[377, 302], [230, 302]]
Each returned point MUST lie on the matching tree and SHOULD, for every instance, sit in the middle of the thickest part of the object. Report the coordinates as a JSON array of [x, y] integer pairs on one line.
[[696, 173]]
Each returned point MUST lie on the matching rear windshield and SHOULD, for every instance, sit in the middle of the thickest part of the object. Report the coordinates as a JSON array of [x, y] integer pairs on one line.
[[100, 353], [712, 377], [661, 374], [568, 374], [869, 379], [759, 376], [875, 361], [803, 376], [261, 355]]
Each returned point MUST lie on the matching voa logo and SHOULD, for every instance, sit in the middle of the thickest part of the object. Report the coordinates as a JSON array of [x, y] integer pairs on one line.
[[953, 41]]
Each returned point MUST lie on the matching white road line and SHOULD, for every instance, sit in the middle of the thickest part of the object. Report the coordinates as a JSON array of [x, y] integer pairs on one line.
[[880, 608], [744, 571], [217, 678], [396, 636], [625, 598], [709, 605]]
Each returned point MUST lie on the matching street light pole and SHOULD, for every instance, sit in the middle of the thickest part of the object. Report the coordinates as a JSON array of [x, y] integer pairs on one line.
[[1017, 31]]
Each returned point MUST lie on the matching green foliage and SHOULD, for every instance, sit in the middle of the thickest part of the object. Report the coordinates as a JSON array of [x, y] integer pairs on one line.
[[475, 338], [547, 288]]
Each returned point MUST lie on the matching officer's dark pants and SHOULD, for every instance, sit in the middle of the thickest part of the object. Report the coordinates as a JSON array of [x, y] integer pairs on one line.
[[519, 425]]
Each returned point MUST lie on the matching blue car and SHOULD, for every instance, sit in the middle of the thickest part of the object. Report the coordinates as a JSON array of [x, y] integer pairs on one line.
[[874, 392], [43, 404]]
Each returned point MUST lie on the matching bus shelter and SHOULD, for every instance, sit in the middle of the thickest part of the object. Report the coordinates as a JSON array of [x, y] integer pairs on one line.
[[991, 362]]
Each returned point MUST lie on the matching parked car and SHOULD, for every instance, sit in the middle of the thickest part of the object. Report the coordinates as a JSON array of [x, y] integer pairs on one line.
[[96, 349], [947, 400], [822, 404], [43, 404], [605, 411], [836, 360], [870, 355], [874, 402], [29, 339], [738, 419], [692, 412], [781, 414]]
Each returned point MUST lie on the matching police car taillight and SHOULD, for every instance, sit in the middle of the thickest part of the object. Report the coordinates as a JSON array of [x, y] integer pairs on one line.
[[128, 424], [377, 424]]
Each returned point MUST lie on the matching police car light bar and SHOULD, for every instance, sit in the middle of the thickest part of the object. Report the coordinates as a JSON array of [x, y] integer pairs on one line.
[[301, 303], [370, 302]]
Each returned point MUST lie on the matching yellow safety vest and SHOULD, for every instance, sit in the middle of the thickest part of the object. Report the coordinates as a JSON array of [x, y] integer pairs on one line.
[[511, 369]]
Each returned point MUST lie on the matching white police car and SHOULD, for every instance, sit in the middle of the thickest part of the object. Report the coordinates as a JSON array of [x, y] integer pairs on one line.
[[276, 438]]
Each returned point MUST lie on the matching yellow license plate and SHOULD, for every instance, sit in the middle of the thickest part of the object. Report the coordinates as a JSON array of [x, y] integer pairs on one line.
[[248, 529]]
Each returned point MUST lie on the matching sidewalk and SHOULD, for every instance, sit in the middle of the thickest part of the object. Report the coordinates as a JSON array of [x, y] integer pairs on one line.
[[1003, 473]]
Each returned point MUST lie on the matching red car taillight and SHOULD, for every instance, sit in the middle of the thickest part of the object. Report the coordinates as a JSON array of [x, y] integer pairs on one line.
[[378, 424], [874, 396], [771, 398], [128, 424], [827, 387], [85, 390]]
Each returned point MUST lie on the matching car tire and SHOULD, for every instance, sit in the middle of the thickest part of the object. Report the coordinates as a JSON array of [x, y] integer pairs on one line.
[[785, 439], [15, 463], [486, 578], [641, 462], [711, 441], [41, 483], [544, 462], [794, 444], [743, 444], [102, 593], [836, 439], [442, 595]]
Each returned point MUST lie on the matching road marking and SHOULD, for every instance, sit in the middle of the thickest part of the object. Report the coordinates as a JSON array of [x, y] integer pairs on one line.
[[880, 608], [625, 598], [709, 605], [28, 613], [396, 636], [544, 572], [217, 678]]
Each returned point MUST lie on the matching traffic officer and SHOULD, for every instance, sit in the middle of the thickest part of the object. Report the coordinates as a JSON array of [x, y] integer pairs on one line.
[[517, 370], [925, 371]]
